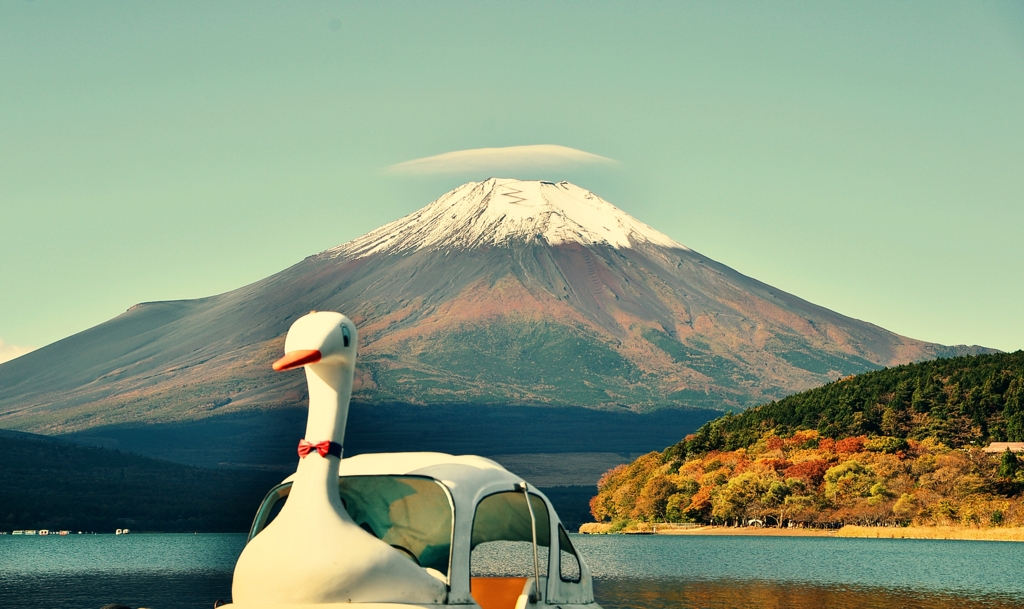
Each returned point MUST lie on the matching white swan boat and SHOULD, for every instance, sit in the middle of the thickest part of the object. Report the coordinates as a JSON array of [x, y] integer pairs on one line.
[[397, 530]]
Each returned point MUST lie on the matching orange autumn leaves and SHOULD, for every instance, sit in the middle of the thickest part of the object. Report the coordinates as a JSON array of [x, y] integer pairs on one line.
[[805, 479]]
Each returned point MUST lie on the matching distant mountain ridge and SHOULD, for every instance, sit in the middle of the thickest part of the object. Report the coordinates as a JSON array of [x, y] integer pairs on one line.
[[500, 292]]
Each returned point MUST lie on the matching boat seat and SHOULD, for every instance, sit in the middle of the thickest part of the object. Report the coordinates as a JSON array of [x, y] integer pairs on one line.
[[497, 592]]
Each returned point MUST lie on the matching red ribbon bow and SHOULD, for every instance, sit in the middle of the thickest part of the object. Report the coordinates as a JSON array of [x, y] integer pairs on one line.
[[324, 448]]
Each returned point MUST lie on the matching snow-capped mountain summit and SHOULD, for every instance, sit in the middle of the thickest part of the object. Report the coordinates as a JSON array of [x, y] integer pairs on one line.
[[501, 292], [499, 211]]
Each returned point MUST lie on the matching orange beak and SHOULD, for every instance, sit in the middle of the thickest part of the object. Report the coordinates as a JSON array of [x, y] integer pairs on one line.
[[297, 359]]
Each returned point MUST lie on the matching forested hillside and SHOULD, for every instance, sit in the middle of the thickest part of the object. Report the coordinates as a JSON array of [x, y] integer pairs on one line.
[[895, 446], [960, 401], [48, 484]]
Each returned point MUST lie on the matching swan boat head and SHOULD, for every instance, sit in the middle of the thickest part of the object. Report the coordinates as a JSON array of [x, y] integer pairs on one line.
[[396, 529]]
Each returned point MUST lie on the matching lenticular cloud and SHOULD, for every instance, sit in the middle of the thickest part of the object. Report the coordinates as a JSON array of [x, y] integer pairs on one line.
[[499, 159]]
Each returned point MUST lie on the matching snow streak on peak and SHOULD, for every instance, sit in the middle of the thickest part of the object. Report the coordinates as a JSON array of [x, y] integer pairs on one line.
[[500, 211]]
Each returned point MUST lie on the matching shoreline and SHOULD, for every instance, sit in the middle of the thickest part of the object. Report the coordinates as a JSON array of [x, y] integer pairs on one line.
[[847, 532], [748, 531], [933, 532]]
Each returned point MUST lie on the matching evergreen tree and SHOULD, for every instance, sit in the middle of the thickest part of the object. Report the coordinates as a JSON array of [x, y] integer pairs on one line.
[[1009, 465]]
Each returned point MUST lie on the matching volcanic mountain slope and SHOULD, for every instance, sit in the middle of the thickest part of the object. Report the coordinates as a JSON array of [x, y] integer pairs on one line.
[[499, 292]]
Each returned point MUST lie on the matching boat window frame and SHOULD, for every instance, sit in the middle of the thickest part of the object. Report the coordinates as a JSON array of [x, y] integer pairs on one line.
[[451, 506], [536, 545], [572, 550], [263, 511]]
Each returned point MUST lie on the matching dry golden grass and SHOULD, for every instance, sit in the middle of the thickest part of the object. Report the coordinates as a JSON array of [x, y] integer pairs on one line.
[[747, 531], [599, 528], [936, 532], [595, 528]]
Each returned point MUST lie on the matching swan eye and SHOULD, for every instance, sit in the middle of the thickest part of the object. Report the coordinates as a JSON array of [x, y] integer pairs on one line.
[[345, 337]]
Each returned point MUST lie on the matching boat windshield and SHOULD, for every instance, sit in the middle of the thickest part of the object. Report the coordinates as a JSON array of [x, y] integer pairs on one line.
[[502, 541], [412, 514]]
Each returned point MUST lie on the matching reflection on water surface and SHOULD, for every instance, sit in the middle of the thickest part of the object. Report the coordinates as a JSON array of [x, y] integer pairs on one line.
[[726, 594], [655, 572], [172, 590]]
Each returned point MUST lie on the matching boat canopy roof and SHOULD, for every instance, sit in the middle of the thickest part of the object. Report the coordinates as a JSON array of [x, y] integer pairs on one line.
[[464, 475], [467, 477]]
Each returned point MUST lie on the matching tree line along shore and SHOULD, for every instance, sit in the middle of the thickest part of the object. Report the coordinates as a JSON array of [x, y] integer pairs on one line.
[[849, 531], [896, 452]]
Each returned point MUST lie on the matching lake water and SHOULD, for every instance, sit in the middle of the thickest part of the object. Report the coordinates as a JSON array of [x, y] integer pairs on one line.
[[648, 572]]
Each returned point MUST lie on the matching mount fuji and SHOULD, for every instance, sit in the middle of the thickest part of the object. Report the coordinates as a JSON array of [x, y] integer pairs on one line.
[[501, 293]]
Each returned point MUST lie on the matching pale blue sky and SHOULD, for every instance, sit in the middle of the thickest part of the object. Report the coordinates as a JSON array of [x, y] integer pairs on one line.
[[868, 157]]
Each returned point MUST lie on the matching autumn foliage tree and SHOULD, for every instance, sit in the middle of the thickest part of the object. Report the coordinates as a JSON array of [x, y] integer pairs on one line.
[[894, 446], [809, 480]]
